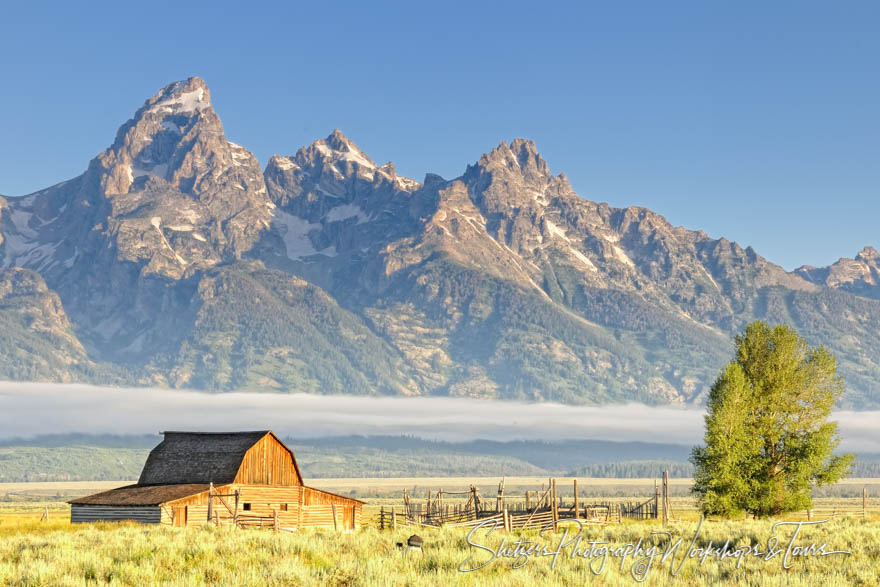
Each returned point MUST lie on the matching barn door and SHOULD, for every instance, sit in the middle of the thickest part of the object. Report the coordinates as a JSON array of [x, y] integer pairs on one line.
[[348, 517], [180, 515]]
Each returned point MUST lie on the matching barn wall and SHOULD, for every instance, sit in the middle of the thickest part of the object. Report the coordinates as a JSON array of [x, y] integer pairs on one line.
[[97, 513], [264, 501], [348, 517], [312, 496], [198, 498], [261, 494], [268, 462], [318, 510]]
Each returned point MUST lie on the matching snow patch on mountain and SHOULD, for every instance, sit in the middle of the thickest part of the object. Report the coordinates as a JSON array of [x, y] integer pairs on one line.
[[295, 234], [345, 212], [183, 102]]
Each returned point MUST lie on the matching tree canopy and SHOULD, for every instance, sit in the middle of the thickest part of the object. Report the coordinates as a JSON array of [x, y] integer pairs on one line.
[[768, 441]]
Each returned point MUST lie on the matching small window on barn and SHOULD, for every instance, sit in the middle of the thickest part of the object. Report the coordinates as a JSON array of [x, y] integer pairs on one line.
[[283, 507], [247, 507]]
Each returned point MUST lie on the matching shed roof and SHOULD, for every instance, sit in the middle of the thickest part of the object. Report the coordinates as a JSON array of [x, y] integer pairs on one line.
[[198, 457], [137, 495]]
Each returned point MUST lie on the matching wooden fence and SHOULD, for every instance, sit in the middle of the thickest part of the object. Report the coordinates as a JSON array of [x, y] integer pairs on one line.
[[539, 508], [536, 509]]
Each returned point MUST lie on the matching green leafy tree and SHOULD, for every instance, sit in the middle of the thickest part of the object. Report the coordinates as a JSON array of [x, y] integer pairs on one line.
[[768, 441]]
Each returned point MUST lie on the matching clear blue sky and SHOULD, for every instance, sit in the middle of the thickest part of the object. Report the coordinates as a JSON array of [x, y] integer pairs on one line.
[[758, 121]]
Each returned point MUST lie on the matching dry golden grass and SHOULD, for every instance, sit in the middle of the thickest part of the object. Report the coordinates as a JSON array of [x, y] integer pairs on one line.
[[54, 552], [129, 554]]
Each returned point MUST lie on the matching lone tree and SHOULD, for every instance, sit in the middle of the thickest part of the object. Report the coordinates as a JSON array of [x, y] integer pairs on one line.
[[767, 438]]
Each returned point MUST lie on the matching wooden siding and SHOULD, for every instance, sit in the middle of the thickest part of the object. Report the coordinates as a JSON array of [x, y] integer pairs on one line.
[[312, 496], [196, 515], [200, 498], [268, 462], [264, 502], [262, 494], [97, 513], [317, 510], [348, 517]]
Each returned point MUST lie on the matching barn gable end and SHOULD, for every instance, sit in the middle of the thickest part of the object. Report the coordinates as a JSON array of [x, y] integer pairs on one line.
[[269, 462]]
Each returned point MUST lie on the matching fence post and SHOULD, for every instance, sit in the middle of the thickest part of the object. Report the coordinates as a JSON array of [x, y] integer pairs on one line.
[[864, 504], [382, 517], [656, 500], [575, 499], [665, 497], [235, 515], [276, 524], [210, 499], [393, 519]]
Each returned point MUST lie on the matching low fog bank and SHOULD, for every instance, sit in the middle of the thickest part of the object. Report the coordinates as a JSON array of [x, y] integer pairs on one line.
[[30, 409]]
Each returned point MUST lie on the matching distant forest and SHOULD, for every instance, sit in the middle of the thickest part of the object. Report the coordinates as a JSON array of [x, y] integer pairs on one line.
[[74, 457]]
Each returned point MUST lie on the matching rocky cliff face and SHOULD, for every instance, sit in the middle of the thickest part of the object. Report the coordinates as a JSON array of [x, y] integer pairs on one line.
[[179, 262], [37, 337], [860, 276]]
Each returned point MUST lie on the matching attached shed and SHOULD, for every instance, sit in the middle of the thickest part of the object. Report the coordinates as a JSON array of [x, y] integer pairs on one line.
[[240, 478]]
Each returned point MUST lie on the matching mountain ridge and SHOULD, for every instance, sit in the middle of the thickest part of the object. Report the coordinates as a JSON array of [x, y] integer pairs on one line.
[[169, 250]]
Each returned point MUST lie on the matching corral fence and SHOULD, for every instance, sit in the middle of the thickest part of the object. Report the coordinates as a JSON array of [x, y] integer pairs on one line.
[[533, 509], [546, 507], [852, 508]]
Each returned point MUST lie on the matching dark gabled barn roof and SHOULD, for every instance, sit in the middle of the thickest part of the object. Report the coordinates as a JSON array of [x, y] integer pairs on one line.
[[136, 495], [198, 457]]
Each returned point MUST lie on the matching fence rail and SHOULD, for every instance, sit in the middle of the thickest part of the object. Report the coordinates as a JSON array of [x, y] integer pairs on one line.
[[538, 508]]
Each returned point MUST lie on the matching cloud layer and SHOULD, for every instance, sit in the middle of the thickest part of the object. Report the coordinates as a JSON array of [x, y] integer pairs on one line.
[[29, 409]]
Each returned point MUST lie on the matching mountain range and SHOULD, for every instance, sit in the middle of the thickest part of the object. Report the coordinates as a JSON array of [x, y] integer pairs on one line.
[[175, 260]]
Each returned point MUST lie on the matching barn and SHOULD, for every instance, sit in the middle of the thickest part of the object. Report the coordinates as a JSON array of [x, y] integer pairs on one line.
[[228, 478]]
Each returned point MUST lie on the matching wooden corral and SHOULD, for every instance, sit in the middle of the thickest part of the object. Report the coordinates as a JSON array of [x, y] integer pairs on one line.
[[237, 478], [537, 509]]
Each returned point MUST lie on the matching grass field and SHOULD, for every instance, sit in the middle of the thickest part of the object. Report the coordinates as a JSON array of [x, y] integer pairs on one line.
[[54, 552]]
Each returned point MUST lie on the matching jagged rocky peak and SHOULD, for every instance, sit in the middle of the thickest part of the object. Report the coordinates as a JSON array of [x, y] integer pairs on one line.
[[514, 175], [515, 163], [335, 155], [860, 275], [520, 155], [868, 254], [176, 137], [329, 162]]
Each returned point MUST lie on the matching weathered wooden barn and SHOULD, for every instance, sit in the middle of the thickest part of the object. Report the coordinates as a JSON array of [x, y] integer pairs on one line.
[[229, 478]]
